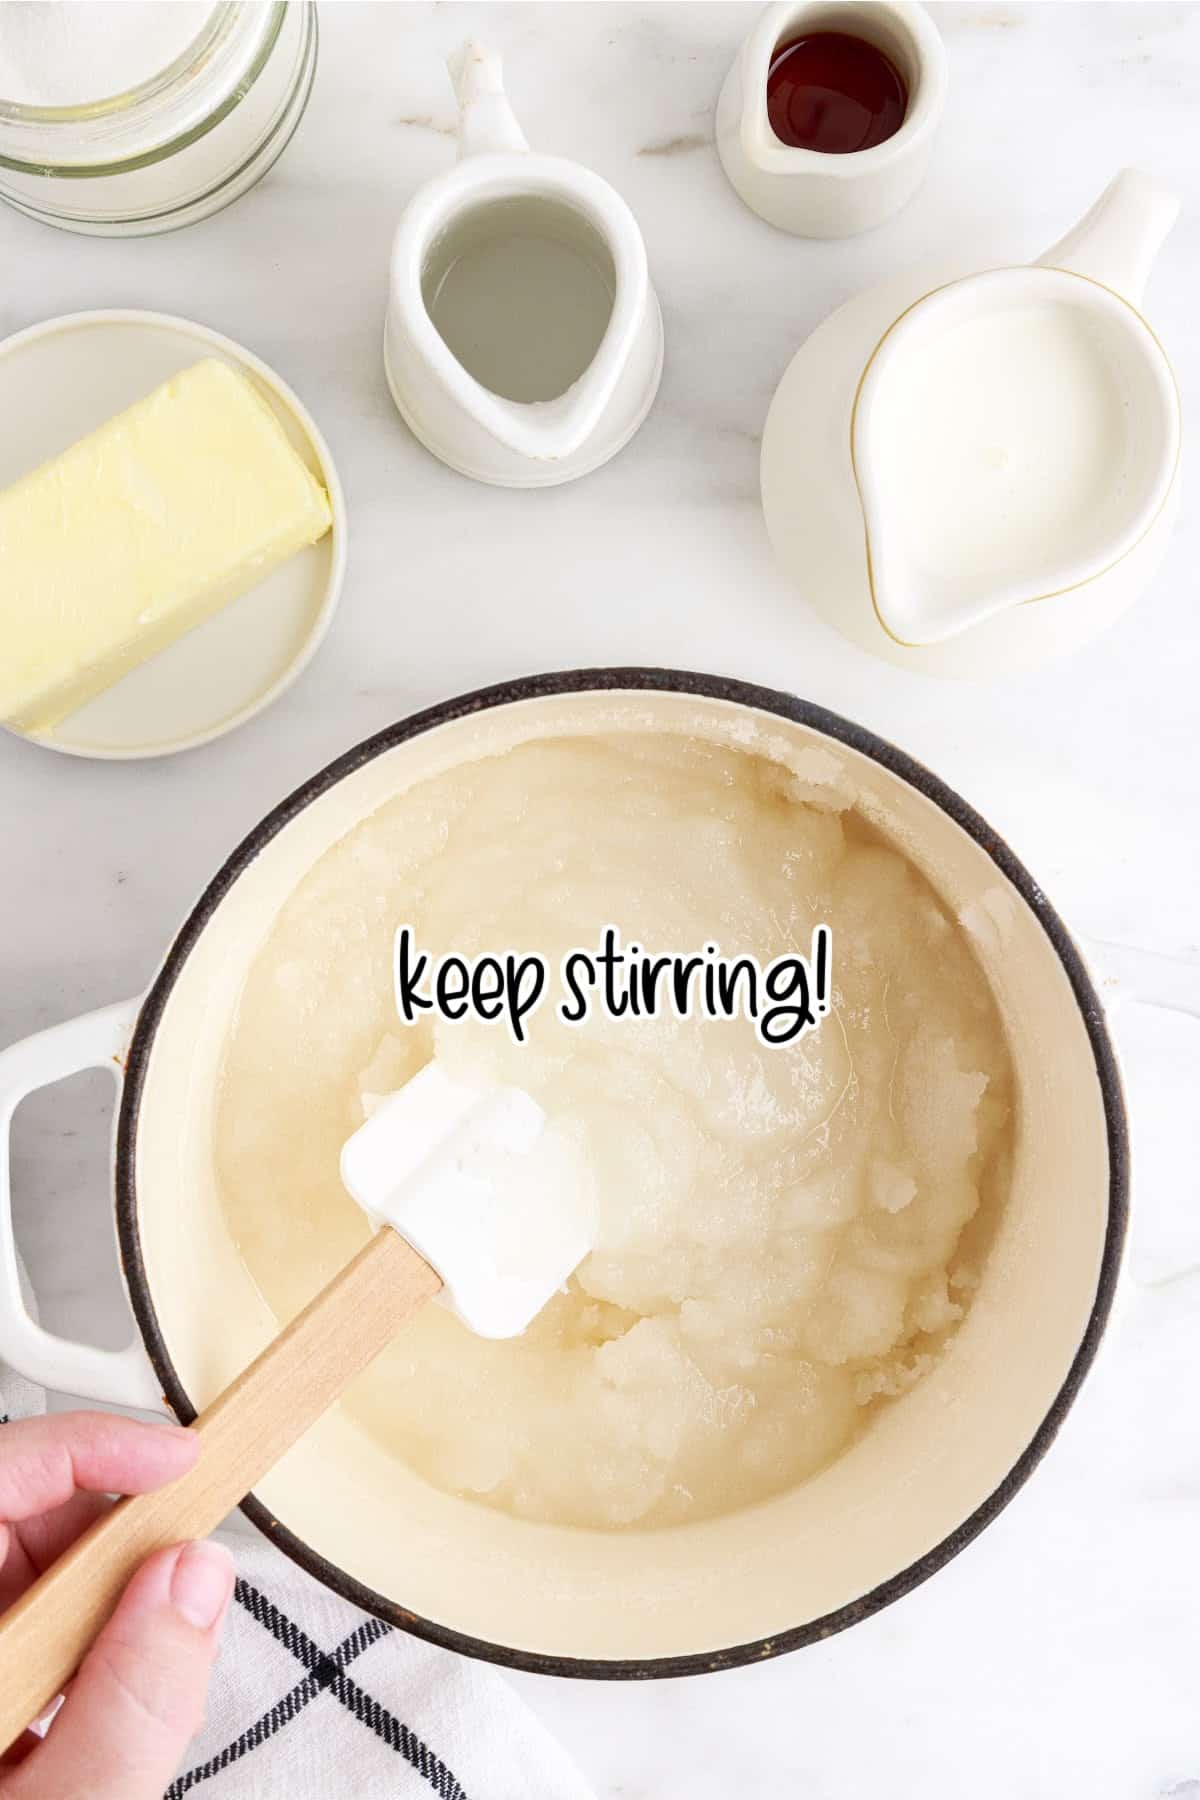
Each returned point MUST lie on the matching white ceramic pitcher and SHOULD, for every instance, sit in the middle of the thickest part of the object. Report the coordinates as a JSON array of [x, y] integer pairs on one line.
[[468, 257], [805, 191], [970, 475]]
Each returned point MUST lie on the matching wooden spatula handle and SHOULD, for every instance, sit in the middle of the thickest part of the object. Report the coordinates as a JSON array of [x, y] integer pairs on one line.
[[243, 1434]]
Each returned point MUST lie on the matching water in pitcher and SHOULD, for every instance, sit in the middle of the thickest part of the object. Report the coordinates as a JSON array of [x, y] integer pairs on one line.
[[521, 292]]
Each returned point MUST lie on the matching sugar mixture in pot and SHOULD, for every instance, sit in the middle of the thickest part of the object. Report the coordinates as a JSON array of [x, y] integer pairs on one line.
[[787, 1235]]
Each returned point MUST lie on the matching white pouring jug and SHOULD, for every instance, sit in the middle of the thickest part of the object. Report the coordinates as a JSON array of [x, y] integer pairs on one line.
[[805, 191], [968, 476], [524, 341]]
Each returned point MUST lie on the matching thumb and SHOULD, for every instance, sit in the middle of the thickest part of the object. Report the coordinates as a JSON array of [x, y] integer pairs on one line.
[[139, 1694]]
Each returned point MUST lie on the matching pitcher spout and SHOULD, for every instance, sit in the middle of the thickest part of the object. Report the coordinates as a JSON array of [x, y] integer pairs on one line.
[[540, 431], [486, 121]]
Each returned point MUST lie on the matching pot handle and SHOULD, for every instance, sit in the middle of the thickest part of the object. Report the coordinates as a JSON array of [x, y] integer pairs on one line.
[[1128, 976], [97, 1040]]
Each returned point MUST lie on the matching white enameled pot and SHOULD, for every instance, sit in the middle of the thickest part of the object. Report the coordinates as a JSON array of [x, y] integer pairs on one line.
[[922, 1480]]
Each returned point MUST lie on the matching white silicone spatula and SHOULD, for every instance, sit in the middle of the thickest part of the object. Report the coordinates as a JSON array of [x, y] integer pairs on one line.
[[478, 1202]]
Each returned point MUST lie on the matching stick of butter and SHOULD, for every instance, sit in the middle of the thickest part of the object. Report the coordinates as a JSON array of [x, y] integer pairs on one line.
[[139, 532]]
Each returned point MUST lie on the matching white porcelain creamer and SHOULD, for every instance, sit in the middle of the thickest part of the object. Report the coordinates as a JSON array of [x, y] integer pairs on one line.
[[524, 341], [967, 476], [805, 191]]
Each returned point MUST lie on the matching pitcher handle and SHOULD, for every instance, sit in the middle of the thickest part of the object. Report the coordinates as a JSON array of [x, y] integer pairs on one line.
[[1117, 239], [486, 121], [97, 1040]]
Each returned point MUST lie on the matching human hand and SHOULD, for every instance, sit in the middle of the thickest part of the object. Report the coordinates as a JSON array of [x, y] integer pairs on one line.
[[139, 1693]]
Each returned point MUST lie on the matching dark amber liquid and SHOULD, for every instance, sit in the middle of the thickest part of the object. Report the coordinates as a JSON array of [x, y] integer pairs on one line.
[[834, 93]]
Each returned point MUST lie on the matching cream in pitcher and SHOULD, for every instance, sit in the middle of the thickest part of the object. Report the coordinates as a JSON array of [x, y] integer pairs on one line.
[[941, 456]]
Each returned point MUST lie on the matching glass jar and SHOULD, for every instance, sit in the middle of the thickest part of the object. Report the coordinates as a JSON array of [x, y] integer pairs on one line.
[[180, 145]]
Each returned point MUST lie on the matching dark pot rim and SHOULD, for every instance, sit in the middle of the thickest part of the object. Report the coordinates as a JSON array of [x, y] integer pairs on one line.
[[759, 699]]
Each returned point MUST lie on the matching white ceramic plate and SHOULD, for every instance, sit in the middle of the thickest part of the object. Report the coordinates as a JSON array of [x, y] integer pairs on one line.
[[60, 380]]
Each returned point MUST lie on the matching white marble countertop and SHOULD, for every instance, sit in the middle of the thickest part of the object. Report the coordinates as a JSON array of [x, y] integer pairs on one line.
[[1057, 1658]]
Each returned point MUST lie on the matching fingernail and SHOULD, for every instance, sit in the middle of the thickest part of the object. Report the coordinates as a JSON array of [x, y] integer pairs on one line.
[[202, 1583]]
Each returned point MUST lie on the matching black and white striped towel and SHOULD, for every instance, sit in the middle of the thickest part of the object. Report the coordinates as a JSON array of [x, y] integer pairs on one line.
[[314, 1700]]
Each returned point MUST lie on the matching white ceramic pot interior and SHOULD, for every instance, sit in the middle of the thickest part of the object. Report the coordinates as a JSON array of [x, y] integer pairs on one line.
[[920, 1470]]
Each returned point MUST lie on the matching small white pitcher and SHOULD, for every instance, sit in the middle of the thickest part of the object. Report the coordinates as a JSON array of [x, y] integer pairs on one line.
[[970, 474], [477, 237], [805, 191]]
